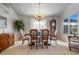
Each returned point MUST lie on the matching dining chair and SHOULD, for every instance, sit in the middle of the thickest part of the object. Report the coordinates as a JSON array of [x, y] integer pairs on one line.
[[34, 37], [23, 37], [45, 36], [54, 37]]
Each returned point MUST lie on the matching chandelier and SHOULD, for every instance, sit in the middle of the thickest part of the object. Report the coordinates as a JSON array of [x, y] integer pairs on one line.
[[39, 16]]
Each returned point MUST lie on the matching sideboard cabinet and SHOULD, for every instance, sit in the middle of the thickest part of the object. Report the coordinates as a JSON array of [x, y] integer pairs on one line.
[[6, 40]]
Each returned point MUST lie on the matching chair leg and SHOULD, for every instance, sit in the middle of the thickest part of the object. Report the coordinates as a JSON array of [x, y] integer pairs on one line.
[[36, 44], [47, 45], [50, 41], [42, 45], [22, 42], [28, 42], [31, 45], [56, 42], [70, 48]]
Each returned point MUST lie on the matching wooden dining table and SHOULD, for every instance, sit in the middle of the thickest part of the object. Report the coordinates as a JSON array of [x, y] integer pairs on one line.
[[39, 39]]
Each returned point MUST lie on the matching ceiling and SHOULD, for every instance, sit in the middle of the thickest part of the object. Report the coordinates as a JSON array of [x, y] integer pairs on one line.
[[32, 8]]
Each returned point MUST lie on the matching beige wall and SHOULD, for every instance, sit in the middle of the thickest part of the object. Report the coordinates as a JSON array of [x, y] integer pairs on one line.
[[11, 17]]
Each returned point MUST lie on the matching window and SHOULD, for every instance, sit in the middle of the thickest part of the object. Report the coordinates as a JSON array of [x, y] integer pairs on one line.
[[73, 24], [70, 25]]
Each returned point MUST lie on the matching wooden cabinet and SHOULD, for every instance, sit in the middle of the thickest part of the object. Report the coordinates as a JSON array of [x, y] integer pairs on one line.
[[11, 39], [73, 43], [6, 40], [3, 41]]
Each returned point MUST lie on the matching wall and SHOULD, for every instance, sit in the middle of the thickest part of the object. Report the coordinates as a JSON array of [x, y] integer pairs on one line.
[[11, 17], [71, 10]]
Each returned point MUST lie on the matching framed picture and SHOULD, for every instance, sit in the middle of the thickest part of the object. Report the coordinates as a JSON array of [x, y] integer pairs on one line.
[[3, 22]]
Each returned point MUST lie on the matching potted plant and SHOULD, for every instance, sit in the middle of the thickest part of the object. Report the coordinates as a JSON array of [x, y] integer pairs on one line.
[[19, 25]]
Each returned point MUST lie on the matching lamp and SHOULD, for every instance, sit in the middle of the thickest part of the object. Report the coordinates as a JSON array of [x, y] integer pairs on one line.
[[39, 16]]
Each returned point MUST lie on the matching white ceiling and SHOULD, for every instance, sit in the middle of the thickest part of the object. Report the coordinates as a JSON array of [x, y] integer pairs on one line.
[[32, 8]]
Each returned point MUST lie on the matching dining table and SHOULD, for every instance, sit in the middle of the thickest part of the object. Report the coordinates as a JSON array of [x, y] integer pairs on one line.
[[39, 39]]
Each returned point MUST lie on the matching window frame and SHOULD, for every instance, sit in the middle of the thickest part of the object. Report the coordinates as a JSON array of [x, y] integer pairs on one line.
[[70, 25]]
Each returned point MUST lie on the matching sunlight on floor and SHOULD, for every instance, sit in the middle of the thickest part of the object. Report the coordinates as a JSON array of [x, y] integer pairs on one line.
[[60, 49]]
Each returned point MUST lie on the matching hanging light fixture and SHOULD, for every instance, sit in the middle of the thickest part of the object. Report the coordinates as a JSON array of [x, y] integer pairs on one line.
[[39, 16]]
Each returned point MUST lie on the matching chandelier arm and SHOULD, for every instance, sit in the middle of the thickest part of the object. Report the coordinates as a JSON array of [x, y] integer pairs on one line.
[[39, 16]]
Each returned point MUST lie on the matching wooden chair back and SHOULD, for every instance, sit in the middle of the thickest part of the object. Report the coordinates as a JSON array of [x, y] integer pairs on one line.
[[34, 34], [45, 34]]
